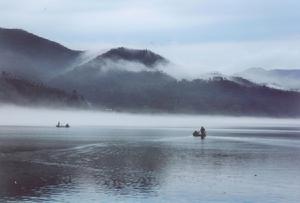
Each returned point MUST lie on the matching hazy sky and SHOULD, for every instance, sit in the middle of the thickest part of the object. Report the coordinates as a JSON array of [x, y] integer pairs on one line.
[[203, 35]]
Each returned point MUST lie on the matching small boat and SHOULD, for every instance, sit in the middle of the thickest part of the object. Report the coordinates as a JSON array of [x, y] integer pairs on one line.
[[62, 126], [201, 133]]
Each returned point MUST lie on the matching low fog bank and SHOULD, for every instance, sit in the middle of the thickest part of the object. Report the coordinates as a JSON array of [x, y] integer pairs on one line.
[[20, 116]]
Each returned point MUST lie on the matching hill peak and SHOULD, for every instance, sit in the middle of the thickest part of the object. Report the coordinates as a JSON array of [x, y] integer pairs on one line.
[[144, 56]]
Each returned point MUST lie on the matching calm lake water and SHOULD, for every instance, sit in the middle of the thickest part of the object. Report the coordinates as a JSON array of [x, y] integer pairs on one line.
[[102, 164]]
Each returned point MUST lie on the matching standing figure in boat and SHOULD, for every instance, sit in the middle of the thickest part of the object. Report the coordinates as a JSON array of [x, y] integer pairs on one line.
[[202, 132]]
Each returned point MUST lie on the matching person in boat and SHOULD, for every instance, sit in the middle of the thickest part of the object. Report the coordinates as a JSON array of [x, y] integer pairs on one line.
[[62, 126], [202, 132]]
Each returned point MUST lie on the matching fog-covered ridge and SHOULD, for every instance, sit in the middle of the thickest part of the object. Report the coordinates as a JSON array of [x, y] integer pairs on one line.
[[276, 78], [134, 80]]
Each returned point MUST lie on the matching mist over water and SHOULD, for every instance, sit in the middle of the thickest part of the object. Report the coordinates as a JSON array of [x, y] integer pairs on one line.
[[14, 115]]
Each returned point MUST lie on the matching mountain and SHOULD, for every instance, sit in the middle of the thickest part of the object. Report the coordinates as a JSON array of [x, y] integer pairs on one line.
[[287, 79], [119, 65], [155, 91], [124, 79], [23, 92], [124, 59], [33, 57]]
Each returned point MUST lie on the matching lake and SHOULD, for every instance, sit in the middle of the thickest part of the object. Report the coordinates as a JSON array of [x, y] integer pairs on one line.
[[148, 164]]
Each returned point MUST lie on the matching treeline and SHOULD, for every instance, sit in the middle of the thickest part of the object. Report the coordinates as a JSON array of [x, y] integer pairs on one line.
[[16, 90]]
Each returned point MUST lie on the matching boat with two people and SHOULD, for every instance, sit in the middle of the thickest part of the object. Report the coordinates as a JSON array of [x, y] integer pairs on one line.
[[59, 125], [200, 133]]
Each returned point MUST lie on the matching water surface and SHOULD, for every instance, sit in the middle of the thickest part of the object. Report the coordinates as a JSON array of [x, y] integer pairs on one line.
[[135, 164]]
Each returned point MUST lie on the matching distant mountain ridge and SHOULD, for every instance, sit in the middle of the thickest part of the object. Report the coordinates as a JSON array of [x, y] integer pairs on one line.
[[32, 56], [28, 43], [288, 79], [157, 92], [124, 79], [119, 59]]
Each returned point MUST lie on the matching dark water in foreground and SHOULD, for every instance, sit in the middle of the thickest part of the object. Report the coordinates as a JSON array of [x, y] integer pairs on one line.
[[80, 164]]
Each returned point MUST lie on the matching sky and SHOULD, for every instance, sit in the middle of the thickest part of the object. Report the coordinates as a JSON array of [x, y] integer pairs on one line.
[[197, 35]]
